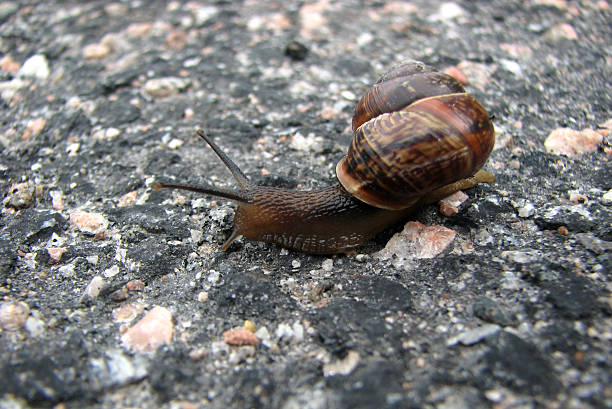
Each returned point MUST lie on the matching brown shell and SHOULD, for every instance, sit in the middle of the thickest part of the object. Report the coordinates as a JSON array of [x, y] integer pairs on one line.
[[415, 130], [400, 87]]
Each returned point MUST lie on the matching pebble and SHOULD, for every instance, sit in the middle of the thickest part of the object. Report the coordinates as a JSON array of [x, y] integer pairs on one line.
[[483, 238], [478, 74], [291, 333], [240, 336], [56, 240], [94, 287], [560, 32], [203, 296], [457, 74], [140, 29], [511, 282], [8, 89], [128, 199], [474, 336], [572, 217], [240, 355], [73, 148], [310, 143], [494, 395], [57, 199], [449, 206], [135, 285], [348, 95], [447, 11], [35, 126], [250, 326], [175, 143], [67, 271], [570, 142], [399, 8], [511, 66], [115, 369], [362, 258], [106, 134], [417, 241], [314, 25], [115, 9], [522, 256], [176, 40], [606, 198], [13, 315], [152, 331], [34, 326], [527, 210], [198, 353], [89, 222], [21, 196], [219, 348], [164, 87], [342, 366], [35, 67], [111, 271], [328, 264], [202, 14], [264, 336], [55, 253], [127, 312], [96, 51], [296, 50]]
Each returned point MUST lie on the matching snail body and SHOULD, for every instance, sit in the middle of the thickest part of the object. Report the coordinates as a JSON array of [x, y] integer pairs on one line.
[[418, 137]]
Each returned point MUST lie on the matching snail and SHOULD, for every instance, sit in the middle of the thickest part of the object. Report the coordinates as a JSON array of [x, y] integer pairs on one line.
[[418, 137]]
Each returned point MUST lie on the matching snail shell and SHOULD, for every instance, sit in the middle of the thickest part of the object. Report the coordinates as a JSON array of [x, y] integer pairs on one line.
[[415, 130]]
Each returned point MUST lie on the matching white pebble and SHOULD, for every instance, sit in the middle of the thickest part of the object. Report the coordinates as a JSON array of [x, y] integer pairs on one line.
[[163, 87], [35, 67], [512, 66], [175, 143], [94, 287], [111, 272], [526, 211], [607, 197]]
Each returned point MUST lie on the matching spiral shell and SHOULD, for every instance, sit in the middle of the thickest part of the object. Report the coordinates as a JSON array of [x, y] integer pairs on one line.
[[415, 130]]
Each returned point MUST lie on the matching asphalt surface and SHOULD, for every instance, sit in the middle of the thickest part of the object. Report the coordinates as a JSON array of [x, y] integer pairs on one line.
[[113, 295]]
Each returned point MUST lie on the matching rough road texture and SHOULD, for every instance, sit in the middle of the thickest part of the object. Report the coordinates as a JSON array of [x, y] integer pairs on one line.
[[101, 99]]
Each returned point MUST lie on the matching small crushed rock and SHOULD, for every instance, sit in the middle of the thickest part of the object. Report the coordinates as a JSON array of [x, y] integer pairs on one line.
[[101, 100], [152, 331], [417, 241]]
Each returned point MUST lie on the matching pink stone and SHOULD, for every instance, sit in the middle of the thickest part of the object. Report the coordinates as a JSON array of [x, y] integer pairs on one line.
[[151, 332], [417, 241], [569, 142], [13, 315], [449, 206], [89, 222], [240, 337], [55, 253]]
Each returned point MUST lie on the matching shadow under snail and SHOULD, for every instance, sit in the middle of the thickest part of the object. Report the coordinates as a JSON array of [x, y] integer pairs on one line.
[[418, 137]]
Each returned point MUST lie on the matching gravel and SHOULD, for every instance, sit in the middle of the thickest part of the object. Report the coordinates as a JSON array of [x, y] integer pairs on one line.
[[114, 295]]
